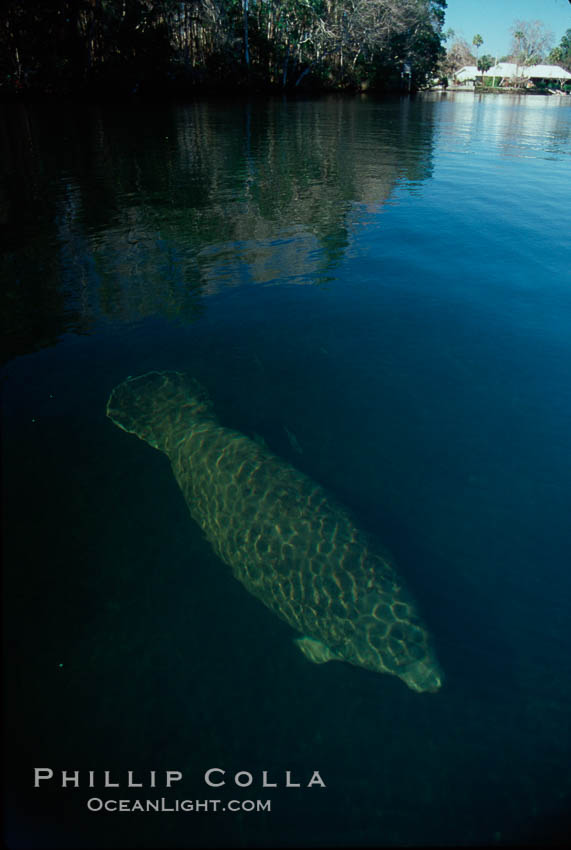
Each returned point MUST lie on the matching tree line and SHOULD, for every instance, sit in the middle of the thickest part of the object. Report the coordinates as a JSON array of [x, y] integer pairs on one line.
[[137, 46], [531, 44]]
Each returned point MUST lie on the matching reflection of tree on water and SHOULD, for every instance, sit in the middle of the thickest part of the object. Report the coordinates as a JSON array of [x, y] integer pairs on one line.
[[141, 215], [289, 182]]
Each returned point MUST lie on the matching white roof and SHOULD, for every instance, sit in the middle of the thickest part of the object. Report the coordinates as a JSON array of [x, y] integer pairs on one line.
[[549, 72], [468, 72], [510, 69], [506, 69]]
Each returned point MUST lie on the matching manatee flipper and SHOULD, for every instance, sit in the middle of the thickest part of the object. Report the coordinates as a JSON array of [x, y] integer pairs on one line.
[[315, 650], [260, 441]]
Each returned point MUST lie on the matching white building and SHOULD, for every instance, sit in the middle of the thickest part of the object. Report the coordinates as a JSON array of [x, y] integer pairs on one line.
[[466, 74], [547, 73], [513, 71], [505, 70]]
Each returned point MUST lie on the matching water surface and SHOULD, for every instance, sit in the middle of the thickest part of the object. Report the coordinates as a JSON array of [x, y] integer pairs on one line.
[[379, 290]]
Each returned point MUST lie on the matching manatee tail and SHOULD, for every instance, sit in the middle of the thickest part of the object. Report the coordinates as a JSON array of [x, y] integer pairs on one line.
[[159, 407]]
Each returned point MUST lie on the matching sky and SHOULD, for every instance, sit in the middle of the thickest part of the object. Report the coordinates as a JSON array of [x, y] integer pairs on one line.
[[492, 19]]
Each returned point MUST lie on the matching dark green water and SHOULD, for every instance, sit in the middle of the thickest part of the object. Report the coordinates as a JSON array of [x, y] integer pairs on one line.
[[380, 291]]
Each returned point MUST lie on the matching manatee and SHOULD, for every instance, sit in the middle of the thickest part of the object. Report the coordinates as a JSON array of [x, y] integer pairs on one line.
[[283, 536]]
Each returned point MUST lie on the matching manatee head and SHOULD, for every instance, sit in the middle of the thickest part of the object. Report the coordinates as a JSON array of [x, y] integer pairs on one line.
[[422, 676], [388, 636], [159, 407], [417, 665], [413, 662]]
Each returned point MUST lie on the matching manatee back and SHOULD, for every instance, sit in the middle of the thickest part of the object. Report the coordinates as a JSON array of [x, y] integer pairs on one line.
[[285, 539], [299, 552]]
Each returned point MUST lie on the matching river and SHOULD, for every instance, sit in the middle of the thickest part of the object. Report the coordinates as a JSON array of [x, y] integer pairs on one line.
[[376, 290]]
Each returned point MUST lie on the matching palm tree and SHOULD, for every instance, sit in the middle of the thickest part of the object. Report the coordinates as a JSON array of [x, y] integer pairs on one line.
[[477, 41], [518, 36], [484, 64]]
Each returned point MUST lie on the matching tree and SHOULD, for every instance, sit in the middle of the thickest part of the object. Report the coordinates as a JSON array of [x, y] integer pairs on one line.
[[477, 41], [457, 55], [128, 45], [561, 55], [485, 63], [246, 42], [530, 42]]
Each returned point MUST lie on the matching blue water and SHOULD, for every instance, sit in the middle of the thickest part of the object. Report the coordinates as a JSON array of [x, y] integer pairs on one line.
[[379, 290]]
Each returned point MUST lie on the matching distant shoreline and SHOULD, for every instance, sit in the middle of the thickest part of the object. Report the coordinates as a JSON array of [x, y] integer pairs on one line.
[[497, 90]]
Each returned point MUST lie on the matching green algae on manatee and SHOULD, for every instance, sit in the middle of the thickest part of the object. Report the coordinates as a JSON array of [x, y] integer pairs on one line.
[[283, 536]]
